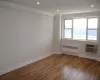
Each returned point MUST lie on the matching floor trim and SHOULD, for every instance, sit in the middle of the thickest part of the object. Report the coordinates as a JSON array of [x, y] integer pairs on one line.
[[23, 64]]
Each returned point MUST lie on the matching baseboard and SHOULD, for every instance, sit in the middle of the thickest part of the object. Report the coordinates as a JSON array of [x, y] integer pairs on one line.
[[56, 53], [89, 57], [24, 64], [83, 56]]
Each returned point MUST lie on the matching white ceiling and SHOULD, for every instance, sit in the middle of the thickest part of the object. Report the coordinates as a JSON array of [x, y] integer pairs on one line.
[[65, 6]]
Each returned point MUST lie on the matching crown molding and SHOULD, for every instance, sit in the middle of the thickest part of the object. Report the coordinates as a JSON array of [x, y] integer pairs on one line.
[[23, 8]]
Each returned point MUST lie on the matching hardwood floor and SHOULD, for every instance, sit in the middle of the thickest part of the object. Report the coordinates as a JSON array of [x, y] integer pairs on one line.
[[57, 67]]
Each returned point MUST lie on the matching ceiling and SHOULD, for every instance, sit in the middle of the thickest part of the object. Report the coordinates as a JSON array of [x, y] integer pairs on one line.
[[65, 6]]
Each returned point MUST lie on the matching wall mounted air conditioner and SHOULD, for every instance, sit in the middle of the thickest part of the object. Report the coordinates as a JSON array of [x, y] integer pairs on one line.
[[90, 48]]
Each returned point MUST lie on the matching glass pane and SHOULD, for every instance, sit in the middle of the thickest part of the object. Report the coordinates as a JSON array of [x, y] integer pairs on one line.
[[92, 23], [79, 28], [92, 34], [68, 23], [67, 33]]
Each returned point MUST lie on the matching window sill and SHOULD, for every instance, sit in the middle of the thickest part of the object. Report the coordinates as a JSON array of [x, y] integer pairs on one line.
[[95, 41]]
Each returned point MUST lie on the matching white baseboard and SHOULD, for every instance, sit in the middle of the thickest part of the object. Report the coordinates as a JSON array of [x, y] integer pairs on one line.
[[83, 56], [56, 53], [23, 64]]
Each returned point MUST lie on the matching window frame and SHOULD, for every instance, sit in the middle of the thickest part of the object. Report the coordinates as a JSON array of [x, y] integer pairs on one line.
[[87, 18], [69, 29]]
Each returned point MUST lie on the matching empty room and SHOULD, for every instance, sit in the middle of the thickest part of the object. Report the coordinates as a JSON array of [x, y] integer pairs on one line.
[[49, 39]]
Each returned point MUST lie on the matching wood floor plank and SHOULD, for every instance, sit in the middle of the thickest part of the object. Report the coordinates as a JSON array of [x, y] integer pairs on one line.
[[57, 67]]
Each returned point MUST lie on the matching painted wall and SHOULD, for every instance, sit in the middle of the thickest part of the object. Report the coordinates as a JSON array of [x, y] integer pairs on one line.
[[24, 36], [57, 33], [80, 44], [81, 48]]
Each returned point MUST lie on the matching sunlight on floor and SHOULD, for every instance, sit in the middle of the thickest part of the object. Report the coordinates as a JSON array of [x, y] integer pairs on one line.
[[76, 74]]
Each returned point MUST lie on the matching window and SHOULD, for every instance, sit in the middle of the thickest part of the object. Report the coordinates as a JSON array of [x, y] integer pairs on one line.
[[81, 29]]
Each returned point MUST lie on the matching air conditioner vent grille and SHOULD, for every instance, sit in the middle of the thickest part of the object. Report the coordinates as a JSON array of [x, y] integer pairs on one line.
[[91, 48]]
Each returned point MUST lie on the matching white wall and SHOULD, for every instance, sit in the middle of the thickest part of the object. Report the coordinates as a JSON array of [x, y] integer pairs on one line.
[[24, 36], [80, 44], [57, 33], [81, 48]]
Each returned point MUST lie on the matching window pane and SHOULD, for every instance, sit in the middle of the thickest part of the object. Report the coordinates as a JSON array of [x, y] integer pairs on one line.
[[67, 33], [68, 23], [92, 34], [79, 28], [92, 23]]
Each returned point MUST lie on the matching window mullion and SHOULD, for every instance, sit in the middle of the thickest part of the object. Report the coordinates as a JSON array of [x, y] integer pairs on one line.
[[91, 29], [72, 29], [68, 28], [87, 30]]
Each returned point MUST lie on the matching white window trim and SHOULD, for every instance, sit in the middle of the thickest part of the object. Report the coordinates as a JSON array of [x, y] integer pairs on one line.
[[63, 28]]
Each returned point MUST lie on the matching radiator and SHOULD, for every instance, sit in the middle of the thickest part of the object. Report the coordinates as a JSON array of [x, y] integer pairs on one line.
[[70, 47]]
